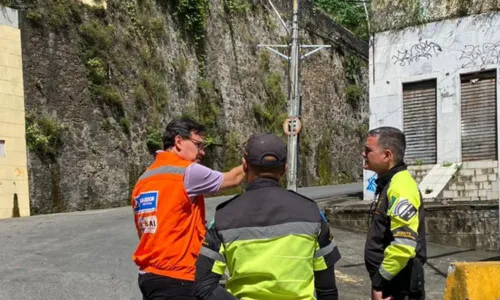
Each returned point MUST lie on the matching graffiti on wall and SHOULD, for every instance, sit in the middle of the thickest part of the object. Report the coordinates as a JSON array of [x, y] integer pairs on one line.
[[475, 55], [371, 183], [422, 50]]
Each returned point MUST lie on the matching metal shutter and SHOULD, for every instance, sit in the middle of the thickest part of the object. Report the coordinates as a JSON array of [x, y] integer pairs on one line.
[[479, 116], [419, 121]]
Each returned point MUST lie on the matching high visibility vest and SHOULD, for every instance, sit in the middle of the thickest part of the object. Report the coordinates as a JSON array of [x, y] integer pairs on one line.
[[397, 231], [170, 225], [271, 241]]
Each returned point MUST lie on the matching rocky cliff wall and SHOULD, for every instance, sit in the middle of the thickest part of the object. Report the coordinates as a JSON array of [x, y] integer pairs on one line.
[[101, 84], [397, 14]]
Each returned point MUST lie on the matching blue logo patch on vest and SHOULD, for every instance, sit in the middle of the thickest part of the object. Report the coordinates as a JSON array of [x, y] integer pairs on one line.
[[146, 202]]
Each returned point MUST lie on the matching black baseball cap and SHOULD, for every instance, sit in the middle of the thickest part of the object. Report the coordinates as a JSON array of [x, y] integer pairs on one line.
[[262, 145]]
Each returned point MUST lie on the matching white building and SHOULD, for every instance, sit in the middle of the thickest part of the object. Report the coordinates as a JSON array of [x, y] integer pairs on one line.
[[438, 83]]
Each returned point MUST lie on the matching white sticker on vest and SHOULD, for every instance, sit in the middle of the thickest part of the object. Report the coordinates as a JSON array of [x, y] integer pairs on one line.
[[148, 224]]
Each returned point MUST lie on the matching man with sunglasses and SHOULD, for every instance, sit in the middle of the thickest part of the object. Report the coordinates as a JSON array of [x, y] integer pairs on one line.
[[169, 211]]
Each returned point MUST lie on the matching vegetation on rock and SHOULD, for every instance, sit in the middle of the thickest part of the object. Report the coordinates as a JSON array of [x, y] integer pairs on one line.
[[348, 13], [127, 70]]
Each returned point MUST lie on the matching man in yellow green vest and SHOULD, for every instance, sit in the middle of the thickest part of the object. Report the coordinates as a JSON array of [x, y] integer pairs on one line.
[[275, 243], [395, 249]]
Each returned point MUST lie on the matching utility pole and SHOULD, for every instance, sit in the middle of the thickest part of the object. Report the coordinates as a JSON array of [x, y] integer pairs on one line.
[[292, 124]]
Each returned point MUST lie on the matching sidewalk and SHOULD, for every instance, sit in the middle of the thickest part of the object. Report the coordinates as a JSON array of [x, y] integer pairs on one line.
[[353, 281]]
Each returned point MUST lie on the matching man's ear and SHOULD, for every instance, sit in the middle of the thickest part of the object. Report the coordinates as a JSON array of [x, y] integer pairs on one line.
[[245, 165], [178, 141], [388, 155], [284, 170]]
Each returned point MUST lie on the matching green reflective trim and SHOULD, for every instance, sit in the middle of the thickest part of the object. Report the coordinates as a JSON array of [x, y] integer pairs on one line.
[[163, 170], [250, 233]]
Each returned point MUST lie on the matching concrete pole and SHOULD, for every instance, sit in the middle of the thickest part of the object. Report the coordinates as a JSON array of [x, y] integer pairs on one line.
[[294, 100]]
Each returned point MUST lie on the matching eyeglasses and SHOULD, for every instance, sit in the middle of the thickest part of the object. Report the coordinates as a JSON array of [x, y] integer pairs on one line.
[[199, 144]]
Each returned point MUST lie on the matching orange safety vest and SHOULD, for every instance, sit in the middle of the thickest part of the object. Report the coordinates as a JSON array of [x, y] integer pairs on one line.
[[171, 226]]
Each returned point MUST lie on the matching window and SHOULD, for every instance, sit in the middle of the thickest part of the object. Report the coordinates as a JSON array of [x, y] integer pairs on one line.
[[2, 148], [419, 121]]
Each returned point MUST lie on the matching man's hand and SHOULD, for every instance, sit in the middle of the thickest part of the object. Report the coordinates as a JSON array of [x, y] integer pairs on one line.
[[377, 295], [233, 178]]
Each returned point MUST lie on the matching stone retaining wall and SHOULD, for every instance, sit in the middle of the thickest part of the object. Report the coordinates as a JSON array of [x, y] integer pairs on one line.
[[468, 225]]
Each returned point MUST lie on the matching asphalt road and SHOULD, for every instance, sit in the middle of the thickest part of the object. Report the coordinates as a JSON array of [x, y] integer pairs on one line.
[[320, 193], [87, 255]]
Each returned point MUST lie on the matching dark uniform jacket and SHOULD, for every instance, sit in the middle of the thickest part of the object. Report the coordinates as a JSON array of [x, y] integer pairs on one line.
[[397, 231], [275, 243]]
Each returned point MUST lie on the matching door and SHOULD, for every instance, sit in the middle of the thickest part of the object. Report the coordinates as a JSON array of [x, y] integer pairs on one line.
[[479, 116], [419, 121]]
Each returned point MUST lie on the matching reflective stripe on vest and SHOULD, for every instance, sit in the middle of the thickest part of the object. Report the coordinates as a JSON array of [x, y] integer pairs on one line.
[[273, 231], [163, 170]]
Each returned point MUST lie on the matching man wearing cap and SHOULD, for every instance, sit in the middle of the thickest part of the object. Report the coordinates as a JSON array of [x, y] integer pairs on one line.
[[275, 243]]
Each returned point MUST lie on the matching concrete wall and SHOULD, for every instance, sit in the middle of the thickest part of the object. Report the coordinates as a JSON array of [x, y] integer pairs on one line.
[[440, 50], [468, 225], [13, 165], [474, 181], [419, 172]]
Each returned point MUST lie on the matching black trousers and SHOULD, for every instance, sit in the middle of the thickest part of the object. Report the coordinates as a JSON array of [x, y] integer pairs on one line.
[[409, 284], [157, 287]]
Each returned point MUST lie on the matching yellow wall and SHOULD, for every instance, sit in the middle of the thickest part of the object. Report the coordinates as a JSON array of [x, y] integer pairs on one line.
[[95, 2], [13, 166]]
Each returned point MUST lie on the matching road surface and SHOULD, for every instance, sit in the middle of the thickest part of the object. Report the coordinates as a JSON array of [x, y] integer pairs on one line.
[[87, 255]]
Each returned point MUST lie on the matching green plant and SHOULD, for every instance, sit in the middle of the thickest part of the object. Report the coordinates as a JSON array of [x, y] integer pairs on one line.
[[353, 94], [264, 60], [237, 6], [140, 95], [96, 38], [193, 16], [34, 16], [97, 70], [107, 94], [43, 136], [125, 124], [353, 66], [206, 109], [324, 162], [272, 112], [350, 14], [157, 27], [153, 139], [362, 130], [156, 87], [428, 190], [447, 164], [418, 162]]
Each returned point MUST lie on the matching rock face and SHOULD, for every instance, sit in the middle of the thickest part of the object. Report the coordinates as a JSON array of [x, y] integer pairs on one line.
[[397, 14], [101, 85]]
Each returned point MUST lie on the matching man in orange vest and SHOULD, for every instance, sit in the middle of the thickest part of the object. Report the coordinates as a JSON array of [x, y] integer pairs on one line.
[[169, 211]]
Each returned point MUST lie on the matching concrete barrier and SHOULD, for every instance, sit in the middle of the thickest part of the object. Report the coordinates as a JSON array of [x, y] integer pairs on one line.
[[473, 281]]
